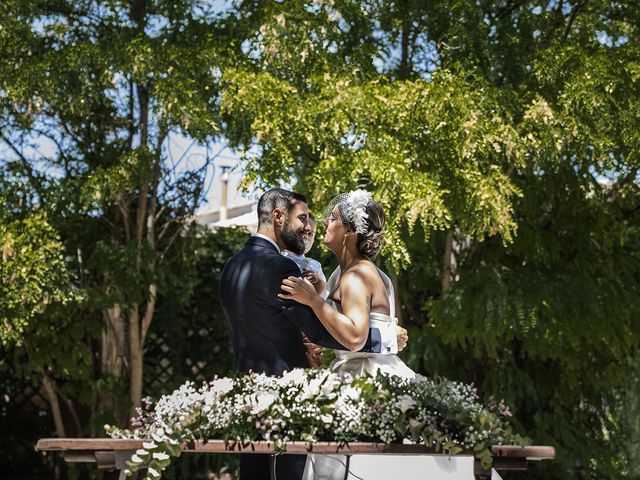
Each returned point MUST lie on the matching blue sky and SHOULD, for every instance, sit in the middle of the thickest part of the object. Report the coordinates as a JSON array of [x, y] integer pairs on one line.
[[192, 155]]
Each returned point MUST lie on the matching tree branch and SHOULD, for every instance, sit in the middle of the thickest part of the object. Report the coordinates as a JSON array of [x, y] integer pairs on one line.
[[446, 277], [49, 387], [171, 240], [54, 140], [132, 122], [15, 150], [72, 410], [123, 207], [572, 18], [149, 311], [24, 161]]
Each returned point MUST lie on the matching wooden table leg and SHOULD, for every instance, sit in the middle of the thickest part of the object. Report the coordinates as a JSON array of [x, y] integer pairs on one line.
[[121, 456], [479, 472]]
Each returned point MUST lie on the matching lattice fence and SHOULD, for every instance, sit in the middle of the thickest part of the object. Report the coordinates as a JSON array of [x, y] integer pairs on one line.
[[198, 354], [203, 355]]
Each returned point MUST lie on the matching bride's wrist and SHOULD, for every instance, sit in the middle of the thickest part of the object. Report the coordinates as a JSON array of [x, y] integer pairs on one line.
[[316, 302]]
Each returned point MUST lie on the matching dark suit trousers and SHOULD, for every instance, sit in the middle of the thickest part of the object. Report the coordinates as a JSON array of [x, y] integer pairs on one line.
[[259, 467]]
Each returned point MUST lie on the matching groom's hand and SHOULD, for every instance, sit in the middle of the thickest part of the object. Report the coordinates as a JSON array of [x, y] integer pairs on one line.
[[316, 280], [402, 336], [314, 353]]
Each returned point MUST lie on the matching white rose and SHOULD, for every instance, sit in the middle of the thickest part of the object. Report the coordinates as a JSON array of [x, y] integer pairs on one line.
[[222, 385], [351, 393], [262, 401], [297, 376], [312, 389], [326, 418], [405, 402], [329, 386]]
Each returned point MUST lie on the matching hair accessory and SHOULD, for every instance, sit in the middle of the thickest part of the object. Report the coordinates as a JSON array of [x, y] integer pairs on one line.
[[353, 207], [357, 201]]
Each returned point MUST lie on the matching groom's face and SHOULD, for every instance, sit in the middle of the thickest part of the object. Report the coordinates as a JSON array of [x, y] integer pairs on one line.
[[296, 228]]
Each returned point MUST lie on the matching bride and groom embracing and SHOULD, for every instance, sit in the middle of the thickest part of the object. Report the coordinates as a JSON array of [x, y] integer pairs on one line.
[[269, 306]]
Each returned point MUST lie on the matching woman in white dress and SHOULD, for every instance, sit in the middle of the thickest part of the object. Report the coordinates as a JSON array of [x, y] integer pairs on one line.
[[359, 295]]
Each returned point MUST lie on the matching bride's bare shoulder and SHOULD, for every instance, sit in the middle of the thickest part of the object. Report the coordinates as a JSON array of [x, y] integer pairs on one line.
[[365, 270]]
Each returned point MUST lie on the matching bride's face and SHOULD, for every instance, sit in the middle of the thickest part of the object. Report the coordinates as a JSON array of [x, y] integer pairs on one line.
[[335, 231]]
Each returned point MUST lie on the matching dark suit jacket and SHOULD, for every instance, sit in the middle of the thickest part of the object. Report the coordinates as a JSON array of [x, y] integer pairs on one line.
[[265, 329]]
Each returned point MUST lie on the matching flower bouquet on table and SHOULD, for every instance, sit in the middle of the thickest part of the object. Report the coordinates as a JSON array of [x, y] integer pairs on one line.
[[318, 405]]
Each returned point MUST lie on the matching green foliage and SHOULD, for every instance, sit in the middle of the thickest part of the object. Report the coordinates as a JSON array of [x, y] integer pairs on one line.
[[192, 323], [431, 151], [89, 94], [509, 126], [33, 275]]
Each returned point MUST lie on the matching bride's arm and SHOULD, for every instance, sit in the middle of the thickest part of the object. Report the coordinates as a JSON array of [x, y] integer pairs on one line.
[[350, 327]]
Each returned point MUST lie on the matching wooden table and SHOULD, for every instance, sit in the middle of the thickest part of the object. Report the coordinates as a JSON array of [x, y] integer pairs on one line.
[[111, 454]]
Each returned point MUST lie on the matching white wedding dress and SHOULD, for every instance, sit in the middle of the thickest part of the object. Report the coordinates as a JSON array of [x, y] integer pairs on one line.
[[382, 467]]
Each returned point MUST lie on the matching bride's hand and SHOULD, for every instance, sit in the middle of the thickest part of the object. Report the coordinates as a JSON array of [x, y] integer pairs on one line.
[[298, 289]]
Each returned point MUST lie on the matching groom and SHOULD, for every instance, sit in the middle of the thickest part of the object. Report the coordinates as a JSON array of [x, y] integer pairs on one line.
[[266, 331]]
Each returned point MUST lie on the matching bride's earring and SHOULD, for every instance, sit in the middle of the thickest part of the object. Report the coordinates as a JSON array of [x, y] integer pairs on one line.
[[343, 254]]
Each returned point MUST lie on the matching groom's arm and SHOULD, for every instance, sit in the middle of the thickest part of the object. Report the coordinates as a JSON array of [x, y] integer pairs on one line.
[[379, 340]]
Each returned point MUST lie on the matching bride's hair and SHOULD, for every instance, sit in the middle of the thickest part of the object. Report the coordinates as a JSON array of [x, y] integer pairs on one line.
[[370, 241]]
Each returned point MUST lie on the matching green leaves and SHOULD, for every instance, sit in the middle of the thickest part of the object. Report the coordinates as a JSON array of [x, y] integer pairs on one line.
[[509, 127], [33, 275], [155, 457], [431, 151], [512, 126], [89, 94]]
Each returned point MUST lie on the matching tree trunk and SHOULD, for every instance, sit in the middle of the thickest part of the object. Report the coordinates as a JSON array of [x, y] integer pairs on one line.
[[114, 348], [135, 359], [447, 270], [144, 229], [113, 355], [72, 409], [50, 390]]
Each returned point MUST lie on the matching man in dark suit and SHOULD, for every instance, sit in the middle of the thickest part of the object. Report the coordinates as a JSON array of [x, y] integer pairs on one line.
[[266, 331]]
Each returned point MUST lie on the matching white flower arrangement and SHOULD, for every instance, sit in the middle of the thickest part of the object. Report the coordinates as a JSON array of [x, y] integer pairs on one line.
[[317, 405], [357, 201]]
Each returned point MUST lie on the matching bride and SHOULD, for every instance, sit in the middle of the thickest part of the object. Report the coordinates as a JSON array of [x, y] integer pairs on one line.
[[359, 295]]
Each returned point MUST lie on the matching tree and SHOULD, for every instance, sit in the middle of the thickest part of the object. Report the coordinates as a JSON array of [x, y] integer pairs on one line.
[[90, 93], [36, 283], [501, 139]]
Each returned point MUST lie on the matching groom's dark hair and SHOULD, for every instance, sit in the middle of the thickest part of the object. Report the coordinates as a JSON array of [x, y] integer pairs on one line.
[[276, 198]]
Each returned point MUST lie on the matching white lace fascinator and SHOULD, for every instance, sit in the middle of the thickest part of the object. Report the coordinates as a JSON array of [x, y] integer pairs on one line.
[[353, 209], [362, 214]]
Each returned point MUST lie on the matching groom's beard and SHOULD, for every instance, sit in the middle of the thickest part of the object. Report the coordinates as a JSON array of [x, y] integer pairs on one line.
[[292, 241]]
